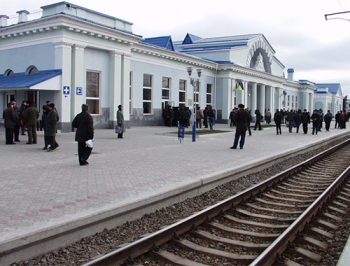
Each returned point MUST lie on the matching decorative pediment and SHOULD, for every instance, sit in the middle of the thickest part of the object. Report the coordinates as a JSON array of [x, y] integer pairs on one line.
[[260, 56]]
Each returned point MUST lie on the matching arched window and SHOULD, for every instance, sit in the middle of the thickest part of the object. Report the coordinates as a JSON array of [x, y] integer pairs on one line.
[[9, 72], [32, 70]]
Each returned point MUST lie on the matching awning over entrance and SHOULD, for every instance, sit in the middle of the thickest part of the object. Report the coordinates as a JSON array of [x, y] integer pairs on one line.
[[44, 80]]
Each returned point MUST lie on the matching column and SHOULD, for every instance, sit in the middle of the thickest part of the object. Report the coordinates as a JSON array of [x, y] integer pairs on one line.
[[269, 99], [254, 100], [78, 80], [227, 101], [63, 60], [245, 93], [262, 99], [311, 102], [115, 84], [278, 98], [125, 91]]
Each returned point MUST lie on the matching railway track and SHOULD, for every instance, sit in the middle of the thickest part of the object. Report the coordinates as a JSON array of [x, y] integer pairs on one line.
[[286, 220]]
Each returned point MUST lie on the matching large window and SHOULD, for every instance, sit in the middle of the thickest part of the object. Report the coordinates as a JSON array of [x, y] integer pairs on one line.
[[93, 91], [147, 94], [209, 95], [182, 92], [165, 89]]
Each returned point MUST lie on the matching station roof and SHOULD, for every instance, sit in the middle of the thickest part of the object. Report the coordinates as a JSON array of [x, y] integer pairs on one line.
[[31, 81]]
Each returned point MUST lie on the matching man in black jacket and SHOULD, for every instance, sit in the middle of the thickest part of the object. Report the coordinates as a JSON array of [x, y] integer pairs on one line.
[[305, 120], [242, 119], [84, 124], [9, 123]]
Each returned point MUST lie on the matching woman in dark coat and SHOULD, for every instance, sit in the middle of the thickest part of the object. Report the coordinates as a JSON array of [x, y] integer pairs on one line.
[[84, 124], [51, 127]]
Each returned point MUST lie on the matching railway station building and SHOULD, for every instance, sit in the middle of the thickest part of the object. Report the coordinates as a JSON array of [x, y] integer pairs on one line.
[[73, 55]]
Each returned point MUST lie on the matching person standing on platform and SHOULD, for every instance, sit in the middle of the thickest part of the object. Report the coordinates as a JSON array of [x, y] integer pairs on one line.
[[327, 120], [242, 119], [199, 117], [205, 117], [305, 119], [290, 119], [315, 122], [43, 123], [268, 116], [211, 117], [277, 118], [120, 121], [297, 120], [84, 124], [250, 119], [232, 117], [321, 115], [9, 117], [31, 115], [337, 120], [257, 119], [51, 127], [17, 122], [22, 109]]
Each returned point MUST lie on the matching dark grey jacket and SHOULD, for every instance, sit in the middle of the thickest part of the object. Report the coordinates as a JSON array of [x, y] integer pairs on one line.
[[84, 124]]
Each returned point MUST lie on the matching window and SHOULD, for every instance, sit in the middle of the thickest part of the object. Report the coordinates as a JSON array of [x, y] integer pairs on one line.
[[32, 70], [288, 101], [147, 94], [165, 89], [8, 73], [209, 95], [130, 93], [93, 91], [296, 102], [182, 92], [196, 94]]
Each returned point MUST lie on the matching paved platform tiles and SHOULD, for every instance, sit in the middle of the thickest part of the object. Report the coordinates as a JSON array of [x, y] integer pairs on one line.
[[41, 190]]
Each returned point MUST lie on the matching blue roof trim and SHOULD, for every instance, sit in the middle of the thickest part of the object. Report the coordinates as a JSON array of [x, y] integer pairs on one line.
[[21, 80], [163, 42], [332, 87]]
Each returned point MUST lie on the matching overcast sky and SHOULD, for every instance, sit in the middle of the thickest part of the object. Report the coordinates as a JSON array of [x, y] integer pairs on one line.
[[317, 49]]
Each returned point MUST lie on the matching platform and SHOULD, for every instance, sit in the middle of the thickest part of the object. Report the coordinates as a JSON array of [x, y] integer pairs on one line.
[[44, 193]]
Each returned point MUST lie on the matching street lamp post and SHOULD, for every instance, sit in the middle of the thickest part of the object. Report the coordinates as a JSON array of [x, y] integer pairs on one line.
[[195, 83]]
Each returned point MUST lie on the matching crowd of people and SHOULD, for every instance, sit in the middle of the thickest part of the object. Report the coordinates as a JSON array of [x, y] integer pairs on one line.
[[26, 119], [180, 116]]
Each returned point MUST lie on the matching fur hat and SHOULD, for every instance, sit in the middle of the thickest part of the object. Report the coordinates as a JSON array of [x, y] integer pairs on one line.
[[84, 106]]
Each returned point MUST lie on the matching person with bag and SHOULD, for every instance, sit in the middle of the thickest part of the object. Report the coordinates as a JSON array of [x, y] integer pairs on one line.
[[84, 124], [120, 122]]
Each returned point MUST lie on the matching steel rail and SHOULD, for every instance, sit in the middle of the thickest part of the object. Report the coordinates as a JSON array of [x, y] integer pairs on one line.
[[146, 243], [269, 255]]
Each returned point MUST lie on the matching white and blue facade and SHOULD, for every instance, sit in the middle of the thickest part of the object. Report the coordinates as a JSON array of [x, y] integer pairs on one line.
[[73, 55]]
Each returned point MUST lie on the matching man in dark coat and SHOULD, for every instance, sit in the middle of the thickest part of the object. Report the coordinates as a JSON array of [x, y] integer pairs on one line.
[[51, 127], [315, 122], [277, 118], [9, 122], [84, 124], [31, 115], [17, 121], [305, 120], [327, 119], [242, 118]]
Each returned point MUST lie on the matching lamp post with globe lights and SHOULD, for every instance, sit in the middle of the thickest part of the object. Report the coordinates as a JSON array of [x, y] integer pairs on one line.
[[195, 84]]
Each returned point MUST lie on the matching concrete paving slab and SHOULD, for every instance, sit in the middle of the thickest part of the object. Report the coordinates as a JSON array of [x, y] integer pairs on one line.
[[40, 191]]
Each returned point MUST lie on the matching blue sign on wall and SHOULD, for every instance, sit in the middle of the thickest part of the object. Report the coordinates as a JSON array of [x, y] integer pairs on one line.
[[79, 90], [66, 90]]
